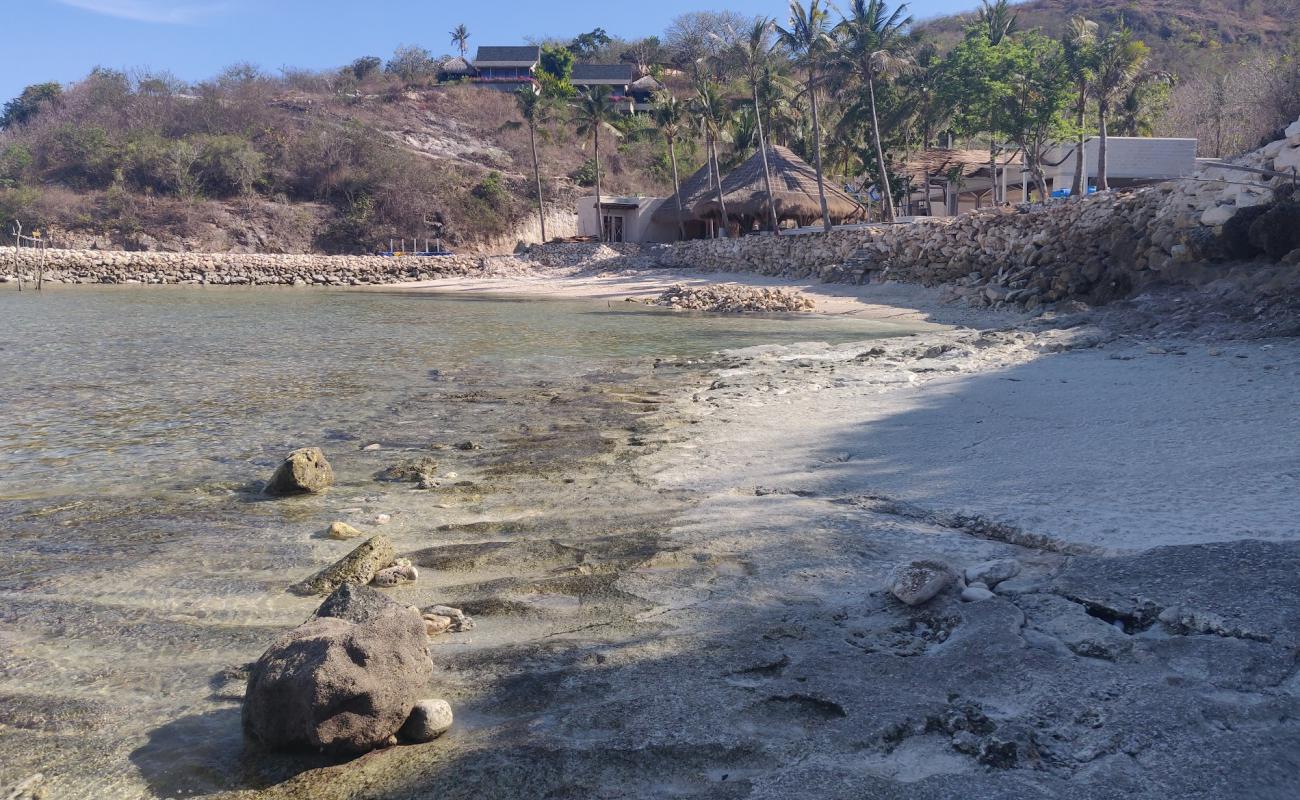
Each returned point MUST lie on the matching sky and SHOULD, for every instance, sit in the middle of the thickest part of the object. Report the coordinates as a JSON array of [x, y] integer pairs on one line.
[[62, 40]]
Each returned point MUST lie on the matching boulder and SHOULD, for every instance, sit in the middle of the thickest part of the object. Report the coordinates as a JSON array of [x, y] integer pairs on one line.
[[1277, 231], [302, 471], [918, 581], [429, 719], [359, 566], [338, 686]]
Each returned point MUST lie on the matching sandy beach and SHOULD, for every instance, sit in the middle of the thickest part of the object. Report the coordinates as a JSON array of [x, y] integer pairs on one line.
[[1143, 486]]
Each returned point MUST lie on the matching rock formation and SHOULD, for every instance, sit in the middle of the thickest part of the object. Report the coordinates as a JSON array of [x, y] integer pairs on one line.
[[302, 471]]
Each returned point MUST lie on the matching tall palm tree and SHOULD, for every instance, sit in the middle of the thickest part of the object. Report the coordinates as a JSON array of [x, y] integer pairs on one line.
[[872, 42], [1080, 46], [535, 111], [1000, 20], [754, 54], [713, 112], [592, 112], [671, 119], [460, 38], [1120, 59], [808, 40]]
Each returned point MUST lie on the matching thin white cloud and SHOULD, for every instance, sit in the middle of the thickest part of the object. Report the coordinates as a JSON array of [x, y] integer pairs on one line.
[[157, 11]]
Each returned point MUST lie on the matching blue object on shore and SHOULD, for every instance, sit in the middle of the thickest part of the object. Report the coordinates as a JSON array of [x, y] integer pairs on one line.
[[1066, 192]]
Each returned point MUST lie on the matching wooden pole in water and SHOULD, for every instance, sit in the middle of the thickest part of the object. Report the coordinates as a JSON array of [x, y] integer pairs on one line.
[[40, 275], [18, 245]]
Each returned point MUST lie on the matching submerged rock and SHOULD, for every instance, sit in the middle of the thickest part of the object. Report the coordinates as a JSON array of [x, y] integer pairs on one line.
[[359, 566], [917, 582], [339, 686], [443, 618], [396, 575], [429, 719], [409, 471], [302, 471]]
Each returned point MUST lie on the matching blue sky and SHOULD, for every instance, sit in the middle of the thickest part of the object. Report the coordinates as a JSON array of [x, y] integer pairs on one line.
[[62, 40]]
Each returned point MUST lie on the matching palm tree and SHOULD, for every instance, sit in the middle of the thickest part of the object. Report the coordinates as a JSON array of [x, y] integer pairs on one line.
[[754, 53], [1120, 59], [1000, 20], [592, 112], [808, 40], [460, 38], [671, 119], [535, 111], [713, 112], [873, 44], [1080, 46]]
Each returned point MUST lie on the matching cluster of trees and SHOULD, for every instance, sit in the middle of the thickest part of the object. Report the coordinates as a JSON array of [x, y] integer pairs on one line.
[[858, 93]]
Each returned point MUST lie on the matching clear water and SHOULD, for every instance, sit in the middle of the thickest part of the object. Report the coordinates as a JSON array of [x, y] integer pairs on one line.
[[135, 423]]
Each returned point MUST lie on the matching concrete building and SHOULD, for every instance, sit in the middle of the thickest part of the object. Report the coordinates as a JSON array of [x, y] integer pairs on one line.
[[625, 219], [1129, 160]]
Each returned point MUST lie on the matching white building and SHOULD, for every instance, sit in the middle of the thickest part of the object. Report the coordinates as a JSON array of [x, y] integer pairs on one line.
[[626, 219], [1129, 160]]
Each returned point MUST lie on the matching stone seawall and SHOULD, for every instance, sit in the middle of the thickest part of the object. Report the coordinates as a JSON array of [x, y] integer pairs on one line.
[[93, 266]]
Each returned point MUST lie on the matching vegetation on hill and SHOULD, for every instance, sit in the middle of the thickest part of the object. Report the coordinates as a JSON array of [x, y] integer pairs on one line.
[[347, 159]]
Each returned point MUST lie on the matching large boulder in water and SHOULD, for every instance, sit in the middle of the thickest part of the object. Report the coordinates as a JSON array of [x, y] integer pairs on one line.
[[302, 471], [359, 566], [339, 686]]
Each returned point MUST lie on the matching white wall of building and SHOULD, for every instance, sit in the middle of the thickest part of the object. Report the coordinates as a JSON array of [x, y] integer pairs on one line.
[[636, 214], [1127, 157]]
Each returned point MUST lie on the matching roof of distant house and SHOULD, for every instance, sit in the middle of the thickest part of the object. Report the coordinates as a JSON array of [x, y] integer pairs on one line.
[[456, 66], [520, 56], [612, 74], [647, 83]]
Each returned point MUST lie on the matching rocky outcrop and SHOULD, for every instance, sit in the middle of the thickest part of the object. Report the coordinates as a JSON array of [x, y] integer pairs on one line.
[[303, 471], [338, 685]]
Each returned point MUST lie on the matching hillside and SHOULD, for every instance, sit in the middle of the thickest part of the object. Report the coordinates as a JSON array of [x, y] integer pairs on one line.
[[1183, 34], [301, 163]]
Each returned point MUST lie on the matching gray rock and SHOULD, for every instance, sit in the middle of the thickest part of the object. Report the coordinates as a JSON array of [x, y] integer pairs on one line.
[[917, 582], [974, 594], [991, 573], [429, 719], [356, 604], [409, 471], [359, 566], [338, 686], [396, 575], [302, 471]]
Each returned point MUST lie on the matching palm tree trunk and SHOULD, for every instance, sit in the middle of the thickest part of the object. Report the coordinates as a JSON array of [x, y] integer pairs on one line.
[[767, 170], [1081, 113], [1102, 109], [677, 189], [537, 174], [817, 156], [717, 171], [600, 209], [880, 153]]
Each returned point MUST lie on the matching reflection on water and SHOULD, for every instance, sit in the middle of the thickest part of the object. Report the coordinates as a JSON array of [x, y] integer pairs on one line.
[[133, 421]]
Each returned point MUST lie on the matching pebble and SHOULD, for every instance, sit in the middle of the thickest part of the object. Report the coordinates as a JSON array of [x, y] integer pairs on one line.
[[974, 594], [373, 446], [429, 719], [342, 530], [460, 621], [396, 575], [383, 519]]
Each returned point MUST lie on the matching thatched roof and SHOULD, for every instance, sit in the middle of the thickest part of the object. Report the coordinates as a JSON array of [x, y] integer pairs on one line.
[[794, 191], [939, 161], [693, 190]]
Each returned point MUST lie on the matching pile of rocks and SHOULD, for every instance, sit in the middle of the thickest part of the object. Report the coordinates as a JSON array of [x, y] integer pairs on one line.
[[94, 266], [917, 582], [731, 298]]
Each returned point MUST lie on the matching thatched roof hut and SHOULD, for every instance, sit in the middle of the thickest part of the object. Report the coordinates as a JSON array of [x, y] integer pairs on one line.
[[794, 192], [693, 190]]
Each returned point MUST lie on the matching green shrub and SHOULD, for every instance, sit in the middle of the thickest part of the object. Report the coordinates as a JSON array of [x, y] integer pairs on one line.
[[491, 190], [585, 175], [229, 165], [15, 160], [28, 104], [84, 156]]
